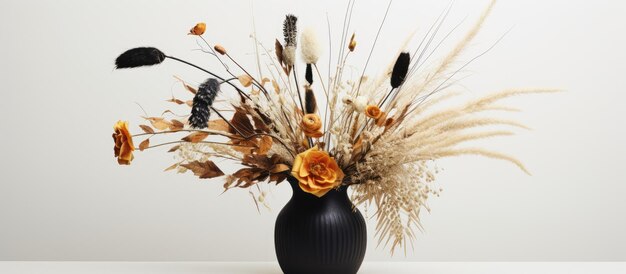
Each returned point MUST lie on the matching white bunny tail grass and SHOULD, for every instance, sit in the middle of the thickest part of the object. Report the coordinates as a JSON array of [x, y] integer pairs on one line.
[[309, 46], [289, 55]]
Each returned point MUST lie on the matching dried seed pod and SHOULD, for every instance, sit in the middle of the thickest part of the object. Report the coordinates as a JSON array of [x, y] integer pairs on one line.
[[219, 49], [352, 43]]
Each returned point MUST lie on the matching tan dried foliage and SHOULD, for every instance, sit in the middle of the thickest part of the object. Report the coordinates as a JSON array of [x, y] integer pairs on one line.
[[245, 80], [176, 125], [147, 129], [144, 144], [259, 168], [204, 170], [159, 122], [196, 137]]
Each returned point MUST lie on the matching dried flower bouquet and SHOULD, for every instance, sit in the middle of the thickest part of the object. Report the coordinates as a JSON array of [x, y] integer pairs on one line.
[[377, 134]]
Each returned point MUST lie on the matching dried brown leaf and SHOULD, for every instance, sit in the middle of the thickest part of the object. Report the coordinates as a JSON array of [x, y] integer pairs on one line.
[[204, 170], [264, 80], [196, 137], [259, 124], [265, 144], [249, 176], [245, 80], [243, 146], [191, 89], [276, 87], [172, 167], [158, 122], [255, 160], [278, 48], [176, 125], [280, 168], [176, 101], [230, 180], [278, 177], [219, 125], [187, 87], [241, 122], [147, 129], [145, 144], [174, 148]]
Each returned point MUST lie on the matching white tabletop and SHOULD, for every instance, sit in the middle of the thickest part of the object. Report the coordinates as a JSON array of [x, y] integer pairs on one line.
[[8, 267]]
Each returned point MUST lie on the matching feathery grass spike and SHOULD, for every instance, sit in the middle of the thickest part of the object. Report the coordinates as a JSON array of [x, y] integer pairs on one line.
[[202, 102], [289, 30]]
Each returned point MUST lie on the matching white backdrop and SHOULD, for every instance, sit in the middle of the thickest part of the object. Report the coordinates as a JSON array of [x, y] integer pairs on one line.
[[63, 196]]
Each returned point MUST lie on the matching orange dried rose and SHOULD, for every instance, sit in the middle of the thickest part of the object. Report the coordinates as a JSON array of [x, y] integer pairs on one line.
[[373, 112], [123, 143], [198, 29], [316, 171], [311, 125]]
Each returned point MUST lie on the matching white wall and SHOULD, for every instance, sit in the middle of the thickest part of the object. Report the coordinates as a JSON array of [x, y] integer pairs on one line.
[[63, 196]]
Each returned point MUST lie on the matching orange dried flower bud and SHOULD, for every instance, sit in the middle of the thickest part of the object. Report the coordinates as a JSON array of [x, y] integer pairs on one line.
[[373, 112], [221, 50], [311, 125], [198, 29], [352, 43]]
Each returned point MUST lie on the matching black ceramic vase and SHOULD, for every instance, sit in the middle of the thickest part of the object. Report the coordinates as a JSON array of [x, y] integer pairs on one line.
[[319, 235]]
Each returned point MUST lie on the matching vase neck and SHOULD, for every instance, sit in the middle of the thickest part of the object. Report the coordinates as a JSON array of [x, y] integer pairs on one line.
[[340, 193]]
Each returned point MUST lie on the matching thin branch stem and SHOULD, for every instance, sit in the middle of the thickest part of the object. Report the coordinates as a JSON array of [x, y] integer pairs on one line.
[[295, 78], [201, 142], [246, 72], [210, 132], [210, 73]]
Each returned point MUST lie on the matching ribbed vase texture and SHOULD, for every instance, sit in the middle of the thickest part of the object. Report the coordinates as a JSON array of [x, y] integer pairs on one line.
[[320, 235]]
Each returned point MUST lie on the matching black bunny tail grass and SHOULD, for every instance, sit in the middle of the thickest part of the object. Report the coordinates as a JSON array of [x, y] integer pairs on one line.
[[308, 75], [138, 57], [400, 69], [398, 74], [289, 30], [202, 102], [310, 104]]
